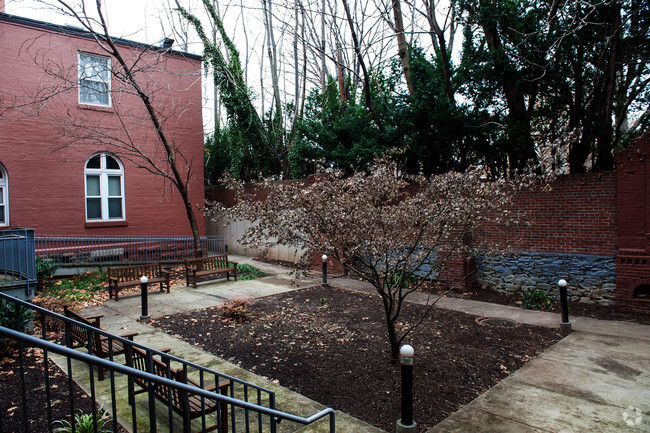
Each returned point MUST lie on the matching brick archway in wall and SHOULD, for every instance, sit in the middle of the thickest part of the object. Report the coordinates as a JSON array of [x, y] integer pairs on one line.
[[633, 222]]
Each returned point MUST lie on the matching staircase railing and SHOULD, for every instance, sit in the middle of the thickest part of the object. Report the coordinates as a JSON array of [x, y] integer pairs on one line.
[[251, 408]]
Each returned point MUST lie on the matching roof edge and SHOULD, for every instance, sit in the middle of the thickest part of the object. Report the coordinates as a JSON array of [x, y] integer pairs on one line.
[[75, 31]]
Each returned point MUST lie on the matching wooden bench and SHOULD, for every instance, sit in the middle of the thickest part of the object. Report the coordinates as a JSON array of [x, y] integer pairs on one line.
[[204, 266], [129, 276], [137, 358], [99, 344]]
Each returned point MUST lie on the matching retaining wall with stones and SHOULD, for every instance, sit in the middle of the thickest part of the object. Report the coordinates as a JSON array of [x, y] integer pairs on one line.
[[591, 278]]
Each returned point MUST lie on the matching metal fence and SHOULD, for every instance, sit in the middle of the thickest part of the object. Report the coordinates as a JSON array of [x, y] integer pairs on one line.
[[101, 250], [39, 404], [17, 261]]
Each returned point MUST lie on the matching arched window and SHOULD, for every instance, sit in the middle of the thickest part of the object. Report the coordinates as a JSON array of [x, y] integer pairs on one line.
[[104, 176], [4, 197]]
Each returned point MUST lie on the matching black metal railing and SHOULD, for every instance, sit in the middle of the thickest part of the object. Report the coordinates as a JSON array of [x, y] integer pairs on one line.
[[72, 250], [250, 408], [17, 260]]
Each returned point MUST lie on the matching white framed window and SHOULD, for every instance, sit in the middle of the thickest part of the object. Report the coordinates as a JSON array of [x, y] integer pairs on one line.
[[4, 197], [94, 80], [104, 181]]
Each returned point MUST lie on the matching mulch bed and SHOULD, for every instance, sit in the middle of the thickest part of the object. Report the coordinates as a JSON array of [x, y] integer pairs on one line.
[[331, 345]]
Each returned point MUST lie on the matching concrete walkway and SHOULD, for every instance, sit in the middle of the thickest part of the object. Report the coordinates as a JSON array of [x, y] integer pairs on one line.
[[597, 379]]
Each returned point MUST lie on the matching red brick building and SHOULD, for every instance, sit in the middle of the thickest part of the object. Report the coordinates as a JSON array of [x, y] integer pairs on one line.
[[77, 147]]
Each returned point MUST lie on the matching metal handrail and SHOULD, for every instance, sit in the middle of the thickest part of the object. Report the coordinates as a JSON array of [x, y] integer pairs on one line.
[[111, 366], [128, 342], [126, 370]]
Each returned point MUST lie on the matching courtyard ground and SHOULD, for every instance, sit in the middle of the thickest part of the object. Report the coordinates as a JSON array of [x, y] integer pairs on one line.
[[597, 379]]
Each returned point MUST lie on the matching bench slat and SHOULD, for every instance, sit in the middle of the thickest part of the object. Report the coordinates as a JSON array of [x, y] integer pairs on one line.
[[129, 276], [213, 265]]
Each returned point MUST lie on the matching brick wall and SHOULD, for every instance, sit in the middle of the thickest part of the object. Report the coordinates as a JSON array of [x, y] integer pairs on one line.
[[46, 173], [576, 215], [633, 260]]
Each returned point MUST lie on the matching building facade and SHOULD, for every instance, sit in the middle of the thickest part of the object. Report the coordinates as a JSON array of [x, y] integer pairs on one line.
[[79, 153]]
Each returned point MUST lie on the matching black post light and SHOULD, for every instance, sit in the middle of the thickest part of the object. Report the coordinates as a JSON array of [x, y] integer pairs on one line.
[[406, 423], [145, 302], [565, 324]]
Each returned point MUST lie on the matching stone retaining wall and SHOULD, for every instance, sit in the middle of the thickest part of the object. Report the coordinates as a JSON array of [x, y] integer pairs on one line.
[[591, 278]]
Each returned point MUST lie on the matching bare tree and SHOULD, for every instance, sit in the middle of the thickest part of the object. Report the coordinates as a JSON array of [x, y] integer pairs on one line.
[[134, 71], [395, 232]]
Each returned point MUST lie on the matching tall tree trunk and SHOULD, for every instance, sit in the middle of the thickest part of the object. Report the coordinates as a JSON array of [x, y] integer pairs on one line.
[[343, 91], [272, 54], [323, 57], [520, 148], [217, 113], [604, 149], [402, 46]]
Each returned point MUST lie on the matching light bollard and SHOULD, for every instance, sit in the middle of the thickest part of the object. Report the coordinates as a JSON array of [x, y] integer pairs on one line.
[[324, 269], [144, 317], [406, 424], [565, 324]]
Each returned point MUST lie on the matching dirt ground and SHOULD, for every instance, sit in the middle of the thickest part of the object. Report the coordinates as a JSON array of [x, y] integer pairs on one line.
[[331, 345], [11, 396]]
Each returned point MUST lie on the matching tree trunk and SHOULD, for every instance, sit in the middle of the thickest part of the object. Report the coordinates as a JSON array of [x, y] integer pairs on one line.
[[343, 91], [520, 148], [323, 57], [604, 149], [402, 46]]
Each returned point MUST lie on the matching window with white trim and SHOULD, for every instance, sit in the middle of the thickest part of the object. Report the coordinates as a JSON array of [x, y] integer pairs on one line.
[[94, 80], [4, 197], [104, 178]]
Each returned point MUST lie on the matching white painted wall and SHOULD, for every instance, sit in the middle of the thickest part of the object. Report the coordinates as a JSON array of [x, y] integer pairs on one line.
[[233, 231]]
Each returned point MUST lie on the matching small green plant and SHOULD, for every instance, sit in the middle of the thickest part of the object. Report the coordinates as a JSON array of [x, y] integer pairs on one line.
[[45, 270], [248, 272], [408, 278], [80, 288], [83, 423], [323, 300], [536, 300], [237, 310], [14, 316]]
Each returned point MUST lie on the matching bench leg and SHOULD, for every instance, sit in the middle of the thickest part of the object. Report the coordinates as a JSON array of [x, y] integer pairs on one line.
[[224, 409]]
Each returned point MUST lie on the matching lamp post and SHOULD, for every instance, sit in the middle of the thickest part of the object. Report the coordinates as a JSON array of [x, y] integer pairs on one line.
[[406, 423], [565, 324], [143, 295], [324, 269]]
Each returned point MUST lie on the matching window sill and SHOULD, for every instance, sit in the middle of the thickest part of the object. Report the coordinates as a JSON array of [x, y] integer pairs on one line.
[[96, 108], [94, 224]]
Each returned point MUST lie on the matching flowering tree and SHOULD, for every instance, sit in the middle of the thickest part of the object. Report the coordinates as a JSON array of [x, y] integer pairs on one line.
[[391, 230]]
